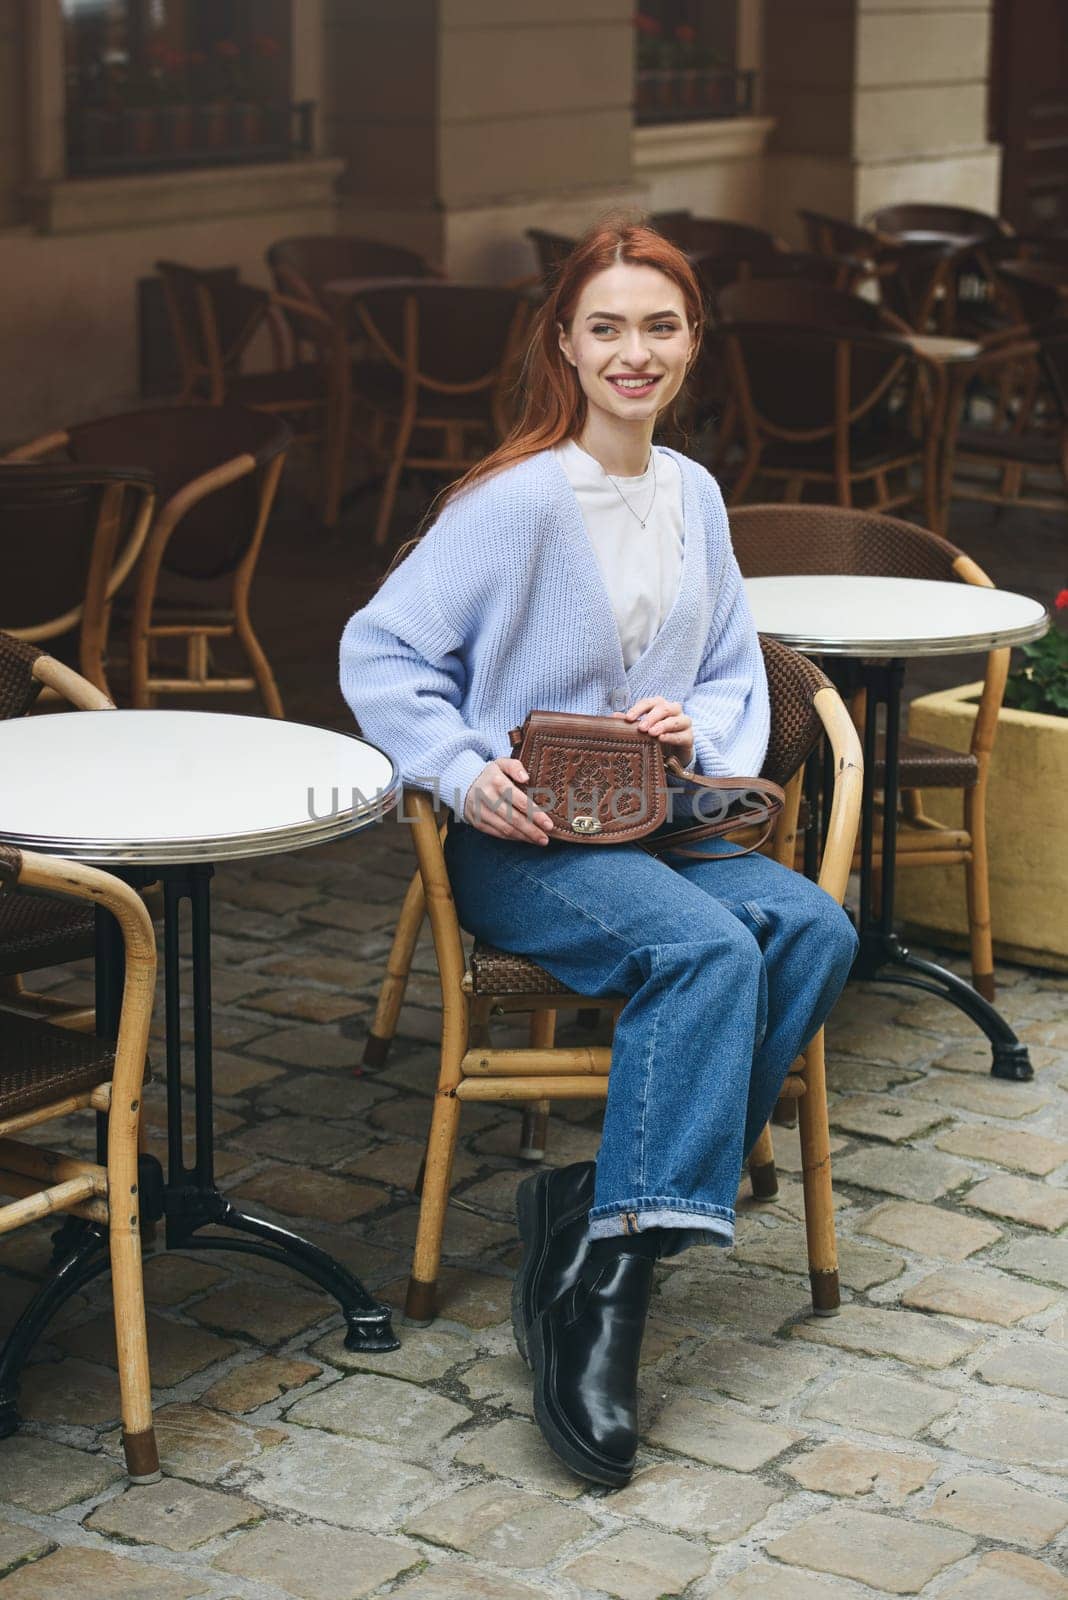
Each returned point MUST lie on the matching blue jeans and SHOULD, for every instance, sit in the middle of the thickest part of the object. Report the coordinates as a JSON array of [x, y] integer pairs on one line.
[[729, 968]]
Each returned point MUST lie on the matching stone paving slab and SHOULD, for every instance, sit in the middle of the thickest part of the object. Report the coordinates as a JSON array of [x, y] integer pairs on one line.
[[916, 1439]]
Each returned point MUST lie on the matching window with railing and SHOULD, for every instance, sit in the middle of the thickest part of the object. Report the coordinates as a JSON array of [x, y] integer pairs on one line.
[[157, 84], [685, 62]]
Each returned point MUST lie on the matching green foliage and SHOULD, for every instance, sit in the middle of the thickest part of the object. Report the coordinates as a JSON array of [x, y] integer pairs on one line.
[[1040, 682]]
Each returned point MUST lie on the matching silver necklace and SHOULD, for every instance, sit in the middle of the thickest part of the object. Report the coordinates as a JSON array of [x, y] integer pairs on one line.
[[652, 501]]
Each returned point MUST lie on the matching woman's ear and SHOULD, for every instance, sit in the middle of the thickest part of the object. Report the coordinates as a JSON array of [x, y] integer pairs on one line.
[[565, 343]]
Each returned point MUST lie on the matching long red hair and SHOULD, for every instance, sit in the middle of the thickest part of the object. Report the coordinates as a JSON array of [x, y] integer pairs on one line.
[[553, 403]]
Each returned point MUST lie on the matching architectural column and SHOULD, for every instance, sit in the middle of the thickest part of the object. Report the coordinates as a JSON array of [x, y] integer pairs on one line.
[[465, 122], [877, 101]]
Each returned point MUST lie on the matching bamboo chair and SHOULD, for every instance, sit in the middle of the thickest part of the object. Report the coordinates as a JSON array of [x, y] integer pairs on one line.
[[831, 407], [79, 531], [446, 353], [39, 931], [48, 1072], [214, 320], [770, 541], [1026, 441], [302, 266], [804, 706], [217, 469]]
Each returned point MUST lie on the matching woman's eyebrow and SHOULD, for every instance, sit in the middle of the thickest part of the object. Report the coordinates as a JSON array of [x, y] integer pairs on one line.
[[614, 316]]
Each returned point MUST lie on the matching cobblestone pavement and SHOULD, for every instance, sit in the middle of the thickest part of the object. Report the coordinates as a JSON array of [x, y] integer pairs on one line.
[[916, 1444]]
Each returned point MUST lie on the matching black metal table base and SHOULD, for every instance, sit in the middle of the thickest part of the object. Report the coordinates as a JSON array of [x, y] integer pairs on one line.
[[188, 1199], [882, 957]]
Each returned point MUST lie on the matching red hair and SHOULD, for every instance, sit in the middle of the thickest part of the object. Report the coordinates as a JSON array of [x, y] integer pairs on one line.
[[553, 402]]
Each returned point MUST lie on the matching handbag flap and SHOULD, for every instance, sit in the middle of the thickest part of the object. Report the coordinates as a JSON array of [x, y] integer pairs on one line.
[[601, 779]]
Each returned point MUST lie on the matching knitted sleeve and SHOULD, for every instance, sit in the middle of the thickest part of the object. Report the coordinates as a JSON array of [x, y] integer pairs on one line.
[[728, 704], [404, 679]]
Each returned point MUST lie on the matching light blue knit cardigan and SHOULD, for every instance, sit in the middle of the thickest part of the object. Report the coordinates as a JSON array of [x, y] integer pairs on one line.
[[501, 609]]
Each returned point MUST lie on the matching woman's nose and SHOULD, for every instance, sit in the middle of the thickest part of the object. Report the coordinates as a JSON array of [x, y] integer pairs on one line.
[[636, 351]]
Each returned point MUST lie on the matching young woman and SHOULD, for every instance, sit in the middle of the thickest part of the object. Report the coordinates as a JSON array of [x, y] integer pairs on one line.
[[581, 568]]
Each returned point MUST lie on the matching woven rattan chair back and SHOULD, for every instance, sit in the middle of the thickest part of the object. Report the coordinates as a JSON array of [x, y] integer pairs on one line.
[[798, 301], [79, 531], [898, 221], [304, 265], [804, 383], [178, 444], [452, 338], [19, 687], [796, 726], [774, 540], [714, 235], [214, 318], [833, 236]]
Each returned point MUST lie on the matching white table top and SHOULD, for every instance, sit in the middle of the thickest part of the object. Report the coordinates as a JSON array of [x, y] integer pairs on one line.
[[891, 617], [166, 787]]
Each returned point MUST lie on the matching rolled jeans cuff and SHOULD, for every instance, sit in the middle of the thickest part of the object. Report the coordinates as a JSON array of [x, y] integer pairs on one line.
[[699, 1224]]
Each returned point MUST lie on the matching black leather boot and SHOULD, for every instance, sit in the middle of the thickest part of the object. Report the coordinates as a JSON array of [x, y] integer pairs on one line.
[[551, 1208], [585, 1349]]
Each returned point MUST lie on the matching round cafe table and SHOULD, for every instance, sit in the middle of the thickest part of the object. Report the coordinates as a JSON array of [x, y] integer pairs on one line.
[[160, 796], [871, 627]]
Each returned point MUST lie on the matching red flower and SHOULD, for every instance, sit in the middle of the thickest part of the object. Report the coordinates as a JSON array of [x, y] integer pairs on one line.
[[227, 48], [685, 33], [267, 47], [648, 25], [1061, 602]]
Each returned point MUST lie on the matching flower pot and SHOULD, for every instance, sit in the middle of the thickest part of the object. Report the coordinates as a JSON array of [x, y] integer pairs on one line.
[[1028, 847]]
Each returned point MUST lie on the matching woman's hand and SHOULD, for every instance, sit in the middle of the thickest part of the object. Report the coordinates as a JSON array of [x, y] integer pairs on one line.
[[497, 807], [666, 721]]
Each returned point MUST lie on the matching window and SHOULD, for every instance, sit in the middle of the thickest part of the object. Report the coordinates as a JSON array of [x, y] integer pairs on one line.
[[685, 62], [153, 84]]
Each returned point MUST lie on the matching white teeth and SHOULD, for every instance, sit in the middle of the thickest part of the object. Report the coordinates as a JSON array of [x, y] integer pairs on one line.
[[632, 383]]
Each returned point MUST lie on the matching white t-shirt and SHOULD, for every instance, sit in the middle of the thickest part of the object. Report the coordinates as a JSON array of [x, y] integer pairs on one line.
[[641, 567]]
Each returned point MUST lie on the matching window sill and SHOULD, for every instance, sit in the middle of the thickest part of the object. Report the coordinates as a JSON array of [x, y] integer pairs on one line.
[[680, 144], [96, 205]]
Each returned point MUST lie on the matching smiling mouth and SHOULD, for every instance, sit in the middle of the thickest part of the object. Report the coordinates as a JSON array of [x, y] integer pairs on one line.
[[634, 387]]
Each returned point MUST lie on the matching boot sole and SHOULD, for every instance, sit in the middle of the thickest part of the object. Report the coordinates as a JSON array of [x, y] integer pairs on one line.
[[559, 1439], [530, 1210]]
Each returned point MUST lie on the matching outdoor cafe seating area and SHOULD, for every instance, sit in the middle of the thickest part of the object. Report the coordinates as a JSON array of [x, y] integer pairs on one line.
[[228, 1029]]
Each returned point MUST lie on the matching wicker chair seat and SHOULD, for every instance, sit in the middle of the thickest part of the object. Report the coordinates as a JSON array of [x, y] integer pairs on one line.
[[929, 766], [37, 931], [495, 971], [1033, 448], [40, 1063]]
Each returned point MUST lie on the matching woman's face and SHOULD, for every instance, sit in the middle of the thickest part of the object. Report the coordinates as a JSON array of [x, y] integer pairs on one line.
[[629, 341]]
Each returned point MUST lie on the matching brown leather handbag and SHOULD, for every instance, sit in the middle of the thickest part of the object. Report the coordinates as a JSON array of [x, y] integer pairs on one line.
[[605, 781]]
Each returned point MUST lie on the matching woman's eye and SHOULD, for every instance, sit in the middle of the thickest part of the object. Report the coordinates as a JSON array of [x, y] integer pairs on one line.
[[665, 327], [603, 327]]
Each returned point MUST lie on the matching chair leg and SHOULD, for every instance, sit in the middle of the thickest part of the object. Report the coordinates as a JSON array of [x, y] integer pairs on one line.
[[395, 982], [261, 667], [977, 893], [420, 1304], [131, 1333], [389, 487], [816, 1177], [535, 1130], [763, 1178]]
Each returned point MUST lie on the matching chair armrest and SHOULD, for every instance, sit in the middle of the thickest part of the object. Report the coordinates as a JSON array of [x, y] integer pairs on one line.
[[70, 685], [36, 448], [844, 820]]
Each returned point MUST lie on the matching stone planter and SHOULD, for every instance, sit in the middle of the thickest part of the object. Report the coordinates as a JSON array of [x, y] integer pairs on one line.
[[1026, 813]]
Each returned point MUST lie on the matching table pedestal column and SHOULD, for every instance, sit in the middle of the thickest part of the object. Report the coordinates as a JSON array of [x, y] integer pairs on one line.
[[882, 957]]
